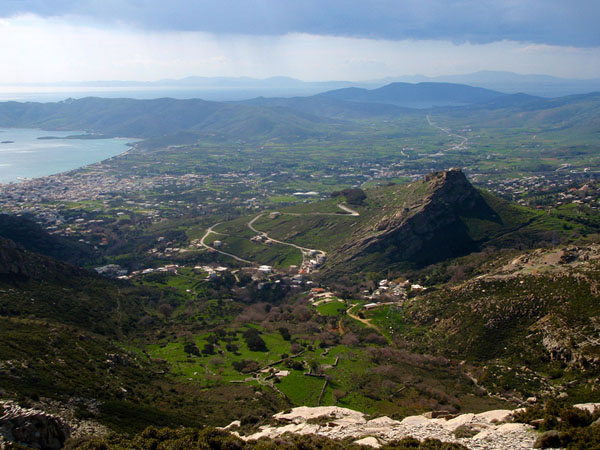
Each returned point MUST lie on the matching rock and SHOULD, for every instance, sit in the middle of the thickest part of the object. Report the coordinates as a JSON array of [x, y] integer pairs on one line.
[[590, 407], [477, 431], [234, 424], [382, 422], [536, 423], [33, 428], [453, 424], [532, 400], [414, 420], [370, 441]]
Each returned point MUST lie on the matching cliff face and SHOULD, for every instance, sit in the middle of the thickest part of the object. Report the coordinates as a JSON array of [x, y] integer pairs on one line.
[[426, 228]]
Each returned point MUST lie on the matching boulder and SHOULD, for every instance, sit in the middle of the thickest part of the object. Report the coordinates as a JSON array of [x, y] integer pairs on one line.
[[370, 441], [589, 407], [33, 428]]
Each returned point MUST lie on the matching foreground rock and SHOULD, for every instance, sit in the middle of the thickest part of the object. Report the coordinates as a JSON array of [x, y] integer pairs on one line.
[[32, 428], [492, 430]]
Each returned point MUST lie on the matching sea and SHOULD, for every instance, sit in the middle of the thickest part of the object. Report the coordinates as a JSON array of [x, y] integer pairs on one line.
[[24, 155]]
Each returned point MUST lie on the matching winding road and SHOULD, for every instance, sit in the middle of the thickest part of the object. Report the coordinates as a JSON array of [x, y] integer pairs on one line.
[[204, 244], [459, 146], [306, 252]]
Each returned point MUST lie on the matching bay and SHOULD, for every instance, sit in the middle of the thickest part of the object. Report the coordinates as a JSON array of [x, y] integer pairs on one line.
[[23, 155]]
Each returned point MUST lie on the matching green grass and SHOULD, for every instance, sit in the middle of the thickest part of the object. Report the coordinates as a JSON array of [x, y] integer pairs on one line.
[[332, 308], [300, 389]]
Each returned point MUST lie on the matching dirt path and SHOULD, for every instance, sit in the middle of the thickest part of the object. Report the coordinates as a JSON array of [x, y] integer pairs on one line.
[[304, 250], [367, 322], [208, 233]]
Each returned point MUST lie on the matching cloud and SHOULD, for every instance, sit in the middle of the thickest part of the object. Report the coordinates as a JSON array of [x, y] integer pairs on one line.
[[36, 49], [553, 22]]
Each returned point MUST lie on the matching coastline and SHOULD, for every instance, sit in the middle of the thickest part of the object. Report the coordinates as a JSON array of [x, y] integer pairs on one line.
[[130, 145]]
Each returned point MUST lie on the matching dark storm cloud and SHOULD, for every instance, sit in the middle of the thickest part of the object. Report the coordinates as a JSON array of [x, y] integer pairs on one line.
[[555, 22]]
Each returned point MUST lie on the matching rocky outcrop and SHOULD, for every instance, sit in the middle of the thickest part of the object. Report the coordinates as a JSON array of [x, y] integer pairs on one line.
[[32, 428], [427, 227], [492, 430]]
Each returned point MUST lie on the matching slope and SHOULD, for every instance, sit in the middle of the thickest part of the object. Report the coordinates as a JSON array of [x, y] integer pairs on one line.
[[577, 112], [32, 237], [532, 318]]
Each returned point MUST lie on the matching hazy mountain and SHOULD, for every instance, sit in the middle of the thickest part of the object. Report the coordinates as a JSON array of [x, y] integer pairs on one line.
[[298, 117], [541, 85], [322, 105], [421, 95], [243, 88]]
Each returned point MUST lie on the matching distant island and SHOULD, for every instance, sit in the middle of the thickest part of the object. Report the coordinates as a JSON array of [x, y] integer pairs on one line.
[[75, 136], [7, 142]]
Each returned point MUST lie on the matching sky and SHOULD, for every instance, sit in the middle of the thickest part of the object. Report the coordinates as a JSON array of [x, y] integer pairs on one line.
[[313, 40]]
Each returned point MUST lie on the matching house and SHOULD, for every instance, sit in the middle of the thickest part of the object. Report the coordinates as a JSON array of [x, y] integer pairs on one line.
[[416, 288]]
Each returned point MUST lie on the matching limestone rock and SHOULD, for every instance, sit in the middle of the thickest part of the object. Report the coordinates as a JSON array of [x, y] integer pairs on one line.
[[590, 407], [491, 430], [33, 428], [370, 441]]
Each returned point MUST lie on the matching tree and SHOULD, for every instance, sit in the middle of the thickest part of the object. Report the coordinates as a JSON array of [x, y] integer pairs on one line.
[[191, 349], [209, 349], [254, 342], [285, 333]]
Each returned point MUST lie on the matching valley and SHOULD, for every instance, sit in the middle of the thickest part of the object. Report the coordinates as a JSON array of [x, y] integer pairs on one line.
[[246, 258]]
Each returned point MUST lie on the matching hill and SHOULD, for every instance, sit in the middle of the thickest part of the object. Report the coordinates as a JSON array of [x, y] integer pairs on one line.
[[574, 112], [33, 238], [413, 225], [159, 117], [37, 286], [324, 106], [420, 95]]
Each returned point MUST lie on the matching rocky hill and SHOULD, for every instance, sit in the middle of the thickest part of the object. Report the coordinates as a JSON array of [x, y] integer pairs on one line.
[[440, 217], [426, 228]]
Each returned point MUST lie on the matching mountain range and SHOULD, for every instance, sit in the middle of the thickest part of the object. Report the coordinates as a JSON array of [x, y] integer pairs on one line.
[[238, 88], [292, 118]]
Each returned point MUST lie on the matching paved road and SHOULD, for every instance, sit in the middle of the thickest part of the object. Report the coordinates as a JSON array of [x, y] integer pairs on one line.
[[459, 146]]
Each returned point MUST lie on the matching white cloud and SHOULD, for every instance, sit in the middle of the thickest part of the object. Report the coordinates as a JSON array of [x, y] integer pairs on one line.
[[46, 50]]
